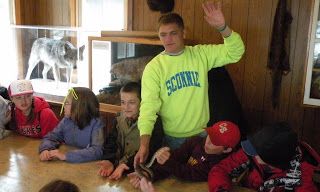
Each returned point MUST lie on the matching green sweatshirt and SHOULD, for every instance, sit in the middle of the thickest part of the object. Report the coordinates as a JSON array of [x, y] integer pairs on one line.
[[176, 87]]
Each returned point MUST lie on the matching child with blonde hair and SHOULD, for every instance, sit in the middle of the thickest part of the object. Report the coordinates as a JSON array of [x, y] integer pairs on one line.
[[81, 127]]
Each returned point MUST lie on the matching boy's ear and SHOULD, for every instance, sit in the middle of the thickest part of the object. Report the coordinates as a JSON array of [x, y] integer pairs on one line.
[[228, 150]]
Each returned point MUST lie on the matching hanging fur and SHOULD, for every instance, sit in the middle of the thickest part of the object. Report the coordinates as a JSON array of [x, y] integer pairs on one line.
[[164, 6], [278, 57]]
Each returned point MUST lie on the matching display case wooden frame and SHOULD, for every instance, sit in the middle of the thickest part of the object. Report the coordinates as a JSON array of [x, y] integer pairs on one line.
[[312, 69], [140, 37]]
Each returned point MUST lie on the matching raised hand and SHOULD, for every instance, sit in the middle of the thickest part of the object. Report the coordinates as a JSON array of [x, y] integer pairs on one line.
[[214, 15]]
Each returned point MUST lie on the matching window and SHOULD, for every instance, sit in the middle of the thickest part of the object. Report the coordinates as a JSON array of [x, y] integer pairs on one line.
[[103, 14]]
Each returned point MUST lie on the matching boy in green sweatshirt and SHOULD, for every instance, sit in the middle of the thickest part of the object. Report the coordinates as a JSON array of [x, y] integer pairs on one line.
[[175, 82]]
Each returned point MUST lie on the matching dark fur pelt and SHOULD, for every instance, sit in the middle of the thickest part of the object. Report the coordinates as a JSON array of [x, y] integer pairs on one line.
[[278, 57], [164, 6]]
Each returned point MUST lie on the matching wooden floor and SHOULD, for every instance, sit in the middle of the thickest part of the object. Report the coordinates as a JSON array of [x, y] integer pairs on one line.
[[21, 171]]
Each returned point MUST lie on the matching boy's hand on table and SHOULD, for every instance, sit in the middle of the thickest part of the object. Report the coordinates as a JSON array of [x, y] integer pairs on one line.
[[119, 171], [45, 156], [106, 168], [134, 179], [57, 154]]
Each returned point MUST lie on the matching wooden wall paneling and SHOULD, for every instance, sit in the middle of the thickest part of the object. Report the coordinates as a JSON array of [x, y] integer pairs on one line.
[[18, 4], [74, 13], [42, 12], [138, 9], [187, 13], [210, 34], [311, 134], [56, 12], [239, 23], [66, 13], [150, 18], [256, 60], [30, 12], [308, 131], [227, 9], [296, 112], [128, 26], [178, 6], [198, 22]]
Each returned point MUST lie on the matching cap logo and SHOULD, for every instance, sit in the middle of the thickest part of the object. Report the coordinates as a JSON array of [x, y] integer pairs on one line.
[[223, 127], [21, 87]]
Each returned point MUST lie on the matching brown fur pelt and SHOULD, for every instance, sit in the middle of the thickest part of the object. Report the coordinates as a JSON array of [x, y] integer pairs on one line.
[[278, 58], [128, 70], [164, 6]]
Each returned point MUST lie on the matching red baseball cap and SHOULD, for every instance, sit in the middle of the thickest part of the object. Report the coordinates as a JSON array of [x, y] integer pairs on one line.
[[224, 133]]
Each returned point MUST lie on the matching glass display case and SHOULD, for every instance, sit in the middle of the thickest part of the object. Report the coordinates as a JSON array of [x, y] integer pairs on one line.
[[312, 75], [117, 57], [53, 58]]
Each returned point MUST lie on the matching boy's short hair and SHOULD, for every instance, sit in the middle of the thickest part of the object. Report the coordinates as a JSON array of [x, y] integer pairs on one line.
[[224, 133], [132, 87], [171, 18], [275, 144]]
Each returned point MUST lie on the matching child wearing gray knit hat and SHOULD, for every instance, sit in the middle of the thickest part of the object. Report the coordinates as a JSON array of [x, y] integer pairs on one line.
[[5, 116]]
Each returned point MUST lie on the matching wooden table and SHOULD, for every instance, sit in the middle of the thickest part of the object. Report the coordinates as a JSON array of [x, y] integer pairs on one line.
[[21, 170]]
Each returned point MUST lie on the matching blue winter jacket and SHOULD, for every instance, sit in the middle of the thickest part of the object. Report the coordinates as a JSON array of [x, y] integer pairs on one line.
[[89, 140]]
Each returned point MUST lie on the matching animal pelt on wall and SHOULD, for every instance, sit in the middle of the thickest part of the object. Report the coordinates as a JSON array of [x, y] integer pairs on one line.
[[164, 6], [278, 58]]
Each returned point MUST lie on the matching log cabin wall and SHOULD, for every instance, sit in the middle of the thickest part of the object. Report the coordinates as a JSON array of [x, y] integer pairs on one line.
[[253, 19], [45, 12]]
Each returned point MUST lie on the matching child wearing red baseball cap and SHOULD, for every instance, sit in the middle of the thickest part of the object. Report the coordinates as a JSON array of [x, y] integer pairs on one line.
[[194, 159], [269, 160]]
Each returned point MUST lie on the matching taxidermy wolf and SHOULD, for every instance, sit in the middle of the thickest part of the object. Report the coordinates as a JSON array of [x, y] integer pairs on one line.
[[54, 54]]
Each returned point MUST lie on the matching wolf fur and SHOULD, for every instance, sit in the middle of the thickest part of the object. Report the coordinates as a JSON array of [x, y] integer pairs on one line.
[[128, 70], [4, 119], [54, 54]]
